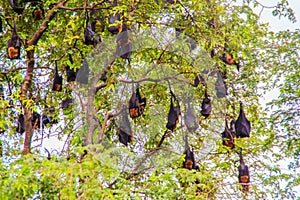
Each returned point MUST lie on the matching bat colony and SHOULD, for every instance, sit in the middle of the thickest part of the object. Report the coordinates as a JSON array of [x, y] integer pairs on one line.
[[240, 128]]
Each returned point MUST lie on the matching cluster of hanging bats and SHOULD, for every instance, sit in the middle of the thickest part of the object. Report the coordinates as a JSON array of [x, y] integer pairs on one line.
[[124, 45], [238, 129], [123, 50]]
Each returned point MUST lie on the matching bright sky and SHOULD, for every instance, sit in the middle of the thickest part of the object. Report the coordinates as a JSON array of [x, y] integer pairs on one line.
[[277, 24]]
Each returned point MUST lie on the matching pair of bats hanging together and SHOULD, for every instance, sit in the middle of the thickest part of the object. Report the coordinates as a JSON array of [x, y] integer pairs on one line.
[[174, 113], [80, 75], [136, 108], [18, 7], [220, 85], [35, 120], [136, 104], [240, 128], [229, 134]]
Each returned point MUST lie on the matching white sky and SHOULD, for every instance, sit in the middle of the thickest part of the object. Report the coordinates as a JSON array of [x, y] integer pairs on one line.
[[277, 24]]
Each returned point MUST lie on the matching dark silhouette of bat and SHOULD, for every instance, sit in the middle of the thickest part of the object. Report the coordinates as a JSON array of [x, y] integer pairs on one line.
[[15, 6], [1, 25], [242, 125], [71, 73], [189, 160], [46, 118], [38, 12], [14, 45], [220, 85], [83, 73], [244, 174], [173, 115], [57, 81], [1, 92], [113, 19], [228, 59], [190, 119], [124, 45], [35, 120], [228, 136], [90, 36], [199, 79], [20, 124], [136, 104], [206, 106], [125, 132], [66, 103]]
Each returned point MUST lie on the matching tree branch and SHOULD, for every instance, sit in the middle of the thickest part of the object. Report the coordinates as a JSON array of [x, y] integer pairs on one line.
[[29, 75]]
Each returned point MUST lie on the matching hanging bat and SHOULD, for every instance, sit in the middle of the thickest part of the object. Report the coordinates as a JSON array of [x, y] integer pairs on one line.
[[199, 79], [1, 25], [46, 120], [228, 59], [38, 12], [220, 85], [14, 45], [189, 160], [125, 132], [71, 73], [113, 27], [20, 128], [190, 119], [136, 104], [173, 116], [97, 21], [242, 125], [213, 53], [35, 120], [66, 103], [228, 136], [57, 80], [14, 4], [83, 73], [124, 45], [244, 174], [90, 36], [206, 106], [1, 92]]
